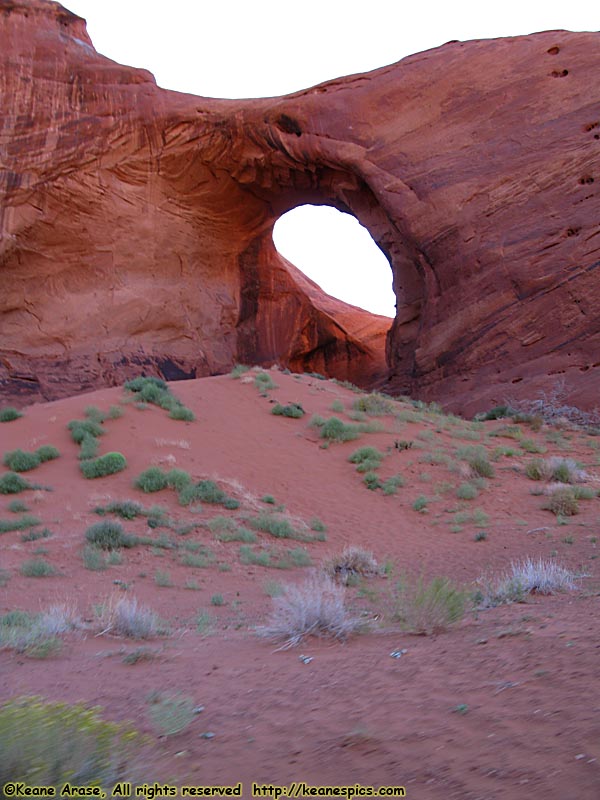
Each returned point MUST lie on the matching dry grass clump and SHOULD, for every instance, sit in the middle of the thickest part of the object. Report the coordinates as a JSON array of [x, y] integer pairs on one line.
[[562, 501], [315, 607], [552, 408], [350, 565], [556, 468], [124, 616], [523, 578]]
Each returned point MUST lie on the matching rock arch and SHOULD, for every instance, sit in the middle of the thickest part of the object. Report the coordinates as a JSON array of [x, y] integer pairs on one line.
[[136, 223]]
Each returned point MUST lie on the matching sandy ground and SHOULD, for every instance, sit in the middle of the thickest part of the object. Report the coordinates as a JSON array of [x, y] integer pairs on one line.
[[502, 704]]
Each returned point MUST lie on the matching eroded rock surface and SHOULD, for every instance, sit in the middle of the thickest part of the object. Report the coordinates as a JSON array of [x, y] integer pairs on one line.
[[136, 223]]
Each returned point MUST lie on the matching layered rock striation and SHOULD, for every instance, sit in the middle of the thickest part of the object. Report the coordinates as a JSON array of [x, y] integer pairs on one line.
[[136, 223]]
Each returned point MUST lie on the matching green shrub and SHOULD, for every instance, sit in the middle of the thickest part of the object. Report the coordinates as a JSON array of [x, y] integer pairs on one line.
[[334, 430], [20, 460], [264, 382], [371, 481], [17, 507], [104, 465], [427, 608], [108, 535], [209, 492], [8, 414], [498, 412], [82, 428], [466, 491], [217, 600], [239, 370], [317, 525], [292, 410], [37, 568], [10, 483], [52, 743], [141, 382], [178, 479], [89, 447], [268, 498], [279, 527], [182, 413], [230, 503], [367, 459], [188, 495], [420, 503], [47, 453], [151, 480]]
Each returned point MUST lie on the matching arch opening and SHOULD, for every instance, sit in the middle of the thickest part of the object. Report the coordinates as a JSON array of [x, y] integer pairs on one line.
[[335, 251]]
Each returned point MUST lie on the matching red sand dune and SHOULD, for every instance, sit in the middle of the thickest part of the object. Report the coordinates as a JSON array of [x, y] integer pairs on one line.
[[524, 675]]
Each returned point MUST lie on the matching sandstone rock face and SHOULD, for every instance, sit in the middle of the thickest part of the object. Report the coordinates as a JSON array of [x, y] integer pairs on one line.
[[136, 223]]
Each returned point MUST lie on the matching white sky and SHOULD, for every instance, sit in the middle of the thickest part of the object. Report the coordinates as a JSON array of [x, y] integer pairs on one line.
[[260, 48]]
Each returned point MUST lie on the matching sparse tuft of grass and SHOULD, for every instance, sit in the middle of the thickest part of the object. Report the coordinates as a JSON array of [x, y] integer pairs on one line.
[[171, 713], [162, 578], [477, 459], [47, 453], [26, 521], [392, 484], [427, 608], [315, 607], [217, 600]]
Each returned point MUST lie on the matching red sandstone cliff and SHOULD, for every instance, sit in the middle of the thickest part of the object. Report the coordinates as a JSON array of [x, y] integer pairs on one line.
[[135, 223]]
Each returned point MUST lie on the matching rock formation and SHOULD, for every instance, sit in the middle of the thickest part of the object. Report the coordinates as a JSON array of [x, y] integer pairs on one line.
[[136, 223]]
